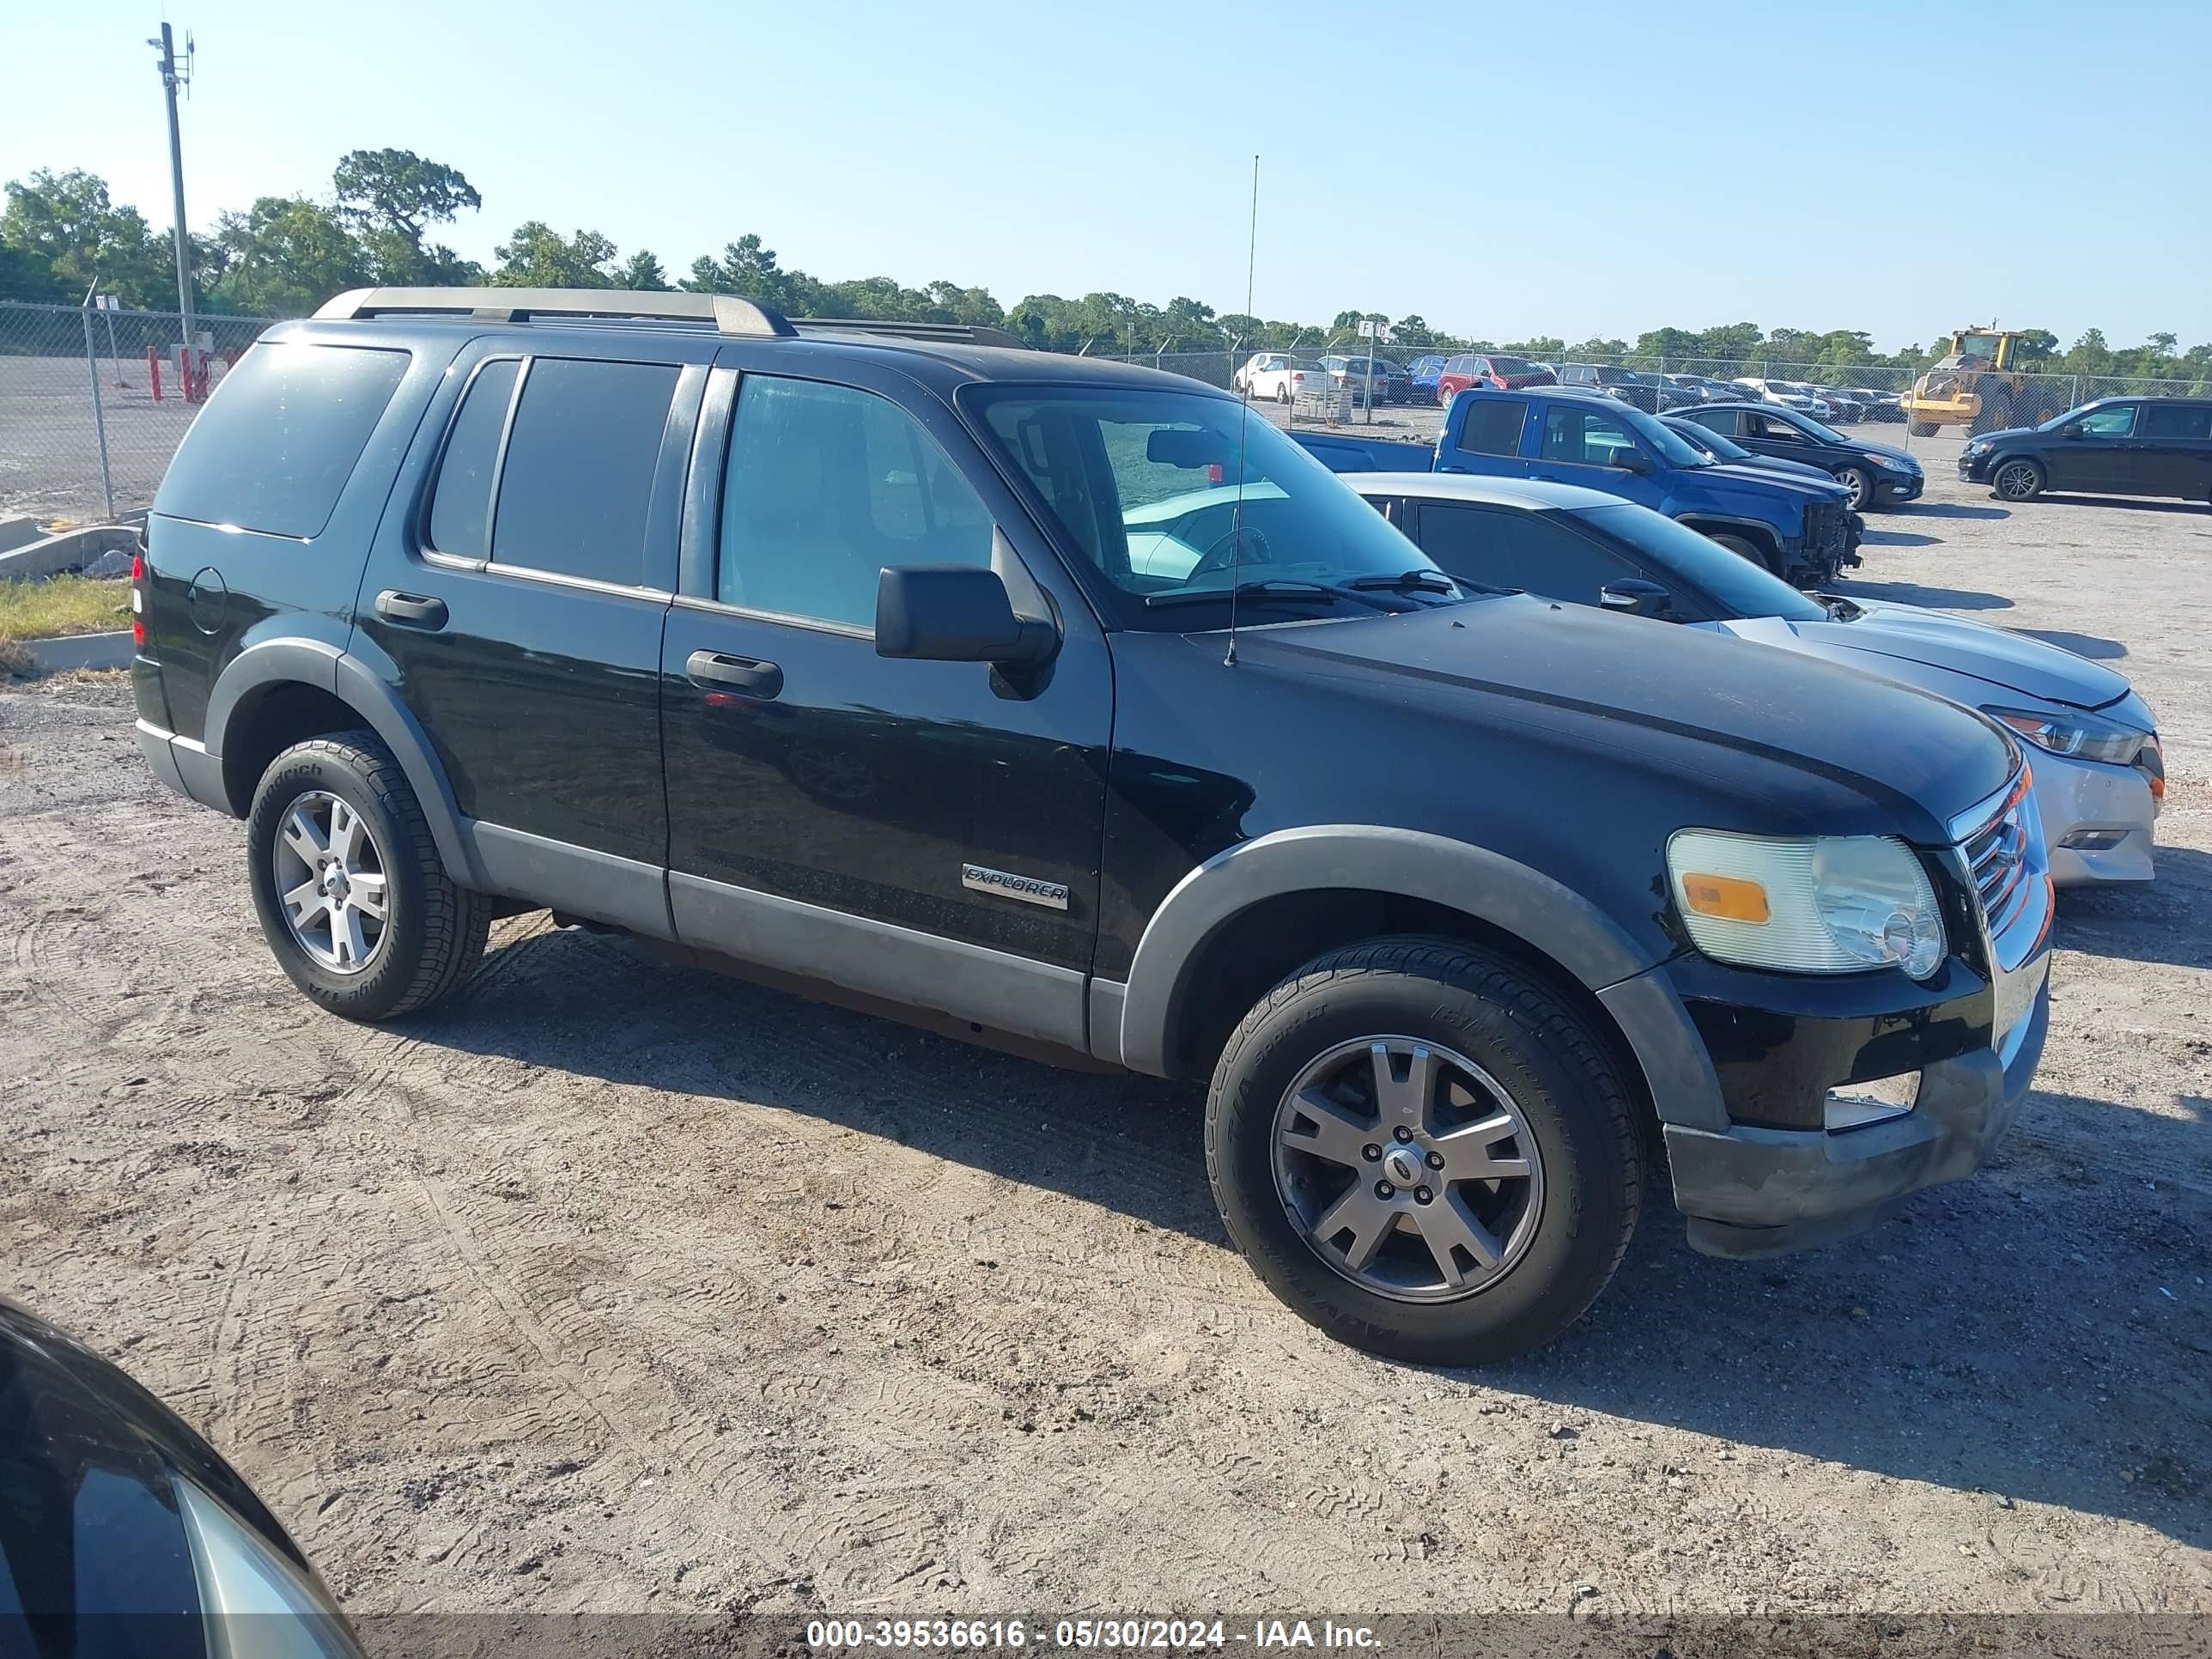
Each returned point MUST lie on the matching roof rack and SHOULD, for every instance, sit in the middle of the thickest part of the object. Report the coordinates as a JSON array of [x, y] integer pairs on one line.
[[943, 333], [729, 313]]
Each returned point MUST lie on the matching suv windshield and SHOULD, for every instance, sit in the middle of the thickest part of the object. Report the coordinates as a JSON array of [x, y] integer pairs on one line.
[[1143, 484], [1737, 584]]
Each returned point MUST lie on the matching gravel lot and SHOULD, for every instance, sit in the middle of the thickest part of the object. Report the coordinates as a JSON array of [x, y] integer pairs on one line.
[[622, 1287]]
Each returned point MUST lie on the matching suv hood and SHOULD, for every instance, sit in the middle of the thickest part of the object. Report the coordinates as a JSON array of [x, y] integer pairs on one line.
[[1906, 633], [1822, 748], [2003, 434]]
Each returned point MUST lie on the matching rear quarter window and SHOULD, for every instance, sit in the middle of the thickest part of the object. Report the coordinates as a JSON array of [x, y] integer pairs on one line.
[[274, 447]]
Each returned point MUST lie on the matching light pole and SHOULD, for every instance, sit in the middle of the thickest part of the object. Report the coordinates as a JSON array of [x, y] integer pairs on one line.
[[170, 82]]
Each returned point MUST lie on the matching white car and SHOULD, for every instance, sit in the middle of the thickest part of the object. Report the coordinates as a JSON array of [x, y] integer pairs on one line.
[[1781, 392], [1282, 376], [2090, 739]]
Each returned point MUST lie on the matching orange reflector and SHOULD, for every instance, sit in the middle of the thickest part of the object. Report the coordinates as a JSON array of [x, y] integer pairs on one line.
[[1731, 897], [2157, 787]]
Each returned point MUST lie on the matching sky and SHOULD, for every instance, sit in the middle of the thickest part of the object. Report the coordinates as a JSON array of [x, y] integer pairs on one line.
[[1584, 170]]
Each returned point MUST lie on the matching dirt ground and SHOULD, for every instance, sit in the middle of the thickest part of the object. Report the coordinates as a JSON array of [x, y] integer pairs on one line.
[[621, 1286]]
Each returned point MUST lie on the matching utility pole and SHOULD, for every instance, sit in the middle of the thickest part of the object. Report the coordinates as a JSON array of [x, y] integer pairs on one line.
[[170, 82]]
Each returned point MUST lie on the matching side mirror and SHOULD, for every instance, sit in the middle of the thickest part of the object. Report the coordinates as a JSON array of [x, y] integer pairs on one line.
[[956, 613], [1636, 596], [2070, 431], [1630, 459]]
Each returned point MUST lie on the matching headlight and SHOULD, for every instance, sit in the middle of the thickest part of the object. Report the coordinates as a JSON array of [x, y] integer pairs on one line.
[[1827, 904], [1979, 446], [2084, 737]]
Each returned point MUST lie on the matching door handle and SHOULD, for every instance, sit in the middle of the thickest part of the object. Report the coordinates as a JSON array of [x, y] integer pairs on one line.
[[749, 675], [411, 609]]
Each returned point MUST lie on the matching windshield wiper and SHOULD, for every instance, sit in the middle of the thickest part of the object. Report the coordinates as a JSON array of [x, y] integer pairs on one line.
[[1420, 578], [1274, 588]]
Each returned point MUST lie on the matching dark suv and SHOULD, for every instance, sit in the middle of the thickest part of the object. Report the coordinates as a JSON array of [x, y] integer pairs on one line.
[[2115, 446], [1057, 703]]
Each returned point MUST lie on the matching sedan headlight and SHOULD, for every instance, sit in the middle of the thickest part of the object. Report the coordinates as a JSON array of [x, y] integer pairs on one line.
[[1891, 463], [1826, 904], [2082, 736]]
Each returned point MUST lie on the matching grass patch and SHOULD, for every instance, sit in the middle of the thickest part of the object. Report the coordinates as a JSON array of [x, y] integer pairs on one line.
[[63, 604]]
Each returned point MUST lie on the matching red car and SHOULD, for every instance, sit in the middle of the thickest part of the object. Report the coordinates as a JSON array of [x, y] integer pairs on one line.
[[1479, 368]]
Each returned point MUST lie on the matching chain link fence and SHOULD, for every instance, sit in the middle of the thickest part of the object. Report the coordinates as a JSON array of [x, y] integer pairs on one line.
[[83, 435]]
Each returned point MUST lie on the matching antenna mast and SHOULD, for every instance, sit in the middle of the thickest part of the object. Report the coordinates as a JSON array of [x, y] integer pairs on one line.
[[1243, 426]]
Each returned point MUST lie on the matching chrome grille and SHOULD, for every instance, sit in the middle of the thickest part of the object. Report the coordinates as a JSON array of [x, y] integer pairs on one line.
[[1999, 859], [2002, 843]]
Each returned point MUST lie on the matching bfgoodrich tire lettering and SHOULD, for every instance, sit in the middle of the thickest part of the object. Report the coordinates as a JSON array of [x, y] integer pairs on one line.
[[1566, 1098], [432, 932]]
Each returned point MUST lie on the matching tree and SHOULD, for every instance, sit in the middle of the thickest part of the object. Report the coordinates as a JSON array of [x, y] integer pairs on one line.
[[642, 270], [2163, 344], [538, 256], [63, 224], [392, 197], [282, 257]]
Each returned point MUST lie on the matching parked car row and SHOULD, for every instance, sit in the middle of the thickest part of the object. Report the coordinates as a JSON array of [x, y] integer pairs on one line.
[[1073, 731], [1437, 376]]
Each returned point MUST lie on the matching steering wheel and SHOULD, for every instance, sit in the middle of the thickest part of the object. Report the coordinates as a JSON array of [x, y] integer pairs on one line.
[[1216, 556]]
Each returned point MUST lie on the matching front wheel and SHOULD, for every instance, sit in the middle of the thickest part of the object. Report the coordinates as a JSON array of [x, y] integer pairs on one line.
[[353, 897], [1857, 486], [1922, 429], [2017, 481], [1424, 1152], [1744, 548]]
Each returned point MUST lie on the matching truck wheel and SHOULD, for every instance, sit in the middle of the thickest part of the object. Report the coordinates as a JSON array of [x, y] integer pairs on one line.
[[1424, 1152], [2017, 481], [1922, 429], [353, 897], [1857, 486], [1745, 548], [1994, 414]]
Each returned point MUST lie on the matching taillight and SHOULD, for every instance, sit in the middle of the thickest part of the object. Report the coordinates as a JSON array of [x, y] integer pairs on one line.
[[137, 598], [1296, 377]]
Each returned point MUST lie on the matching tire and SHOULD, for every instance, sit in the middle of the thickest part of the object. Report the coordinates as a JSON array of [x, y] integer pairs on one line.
[[1993, 415], [432, 932], [1562, 1225], [1921, 428], [2016, 480], [1855, 480], [1744, 548], [1283, 393]]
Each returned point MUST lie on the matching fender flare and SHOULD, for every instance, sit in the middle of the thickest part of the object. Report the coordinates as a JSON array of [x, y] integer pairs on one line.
[[316, 663], [1414, 864]]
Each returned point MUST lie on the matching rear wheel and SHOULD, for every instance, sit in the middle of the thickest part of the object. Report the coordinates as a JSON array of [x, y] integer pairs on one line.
[[1922, 429], [2017, 481], [352, 896], [1282, 392], [1424, 1152], [1857, 485]]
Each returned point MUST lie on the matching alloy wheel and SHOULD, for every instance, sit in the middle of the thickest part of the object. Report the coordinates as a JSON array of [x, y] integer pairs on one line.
[[330, 881], [2016, 481], [1407, 1169]]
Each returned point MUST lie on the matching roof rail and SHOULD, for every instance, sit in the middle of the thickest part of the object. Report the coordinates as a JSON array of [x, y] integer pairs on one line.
[[943, 333], [730, 313]]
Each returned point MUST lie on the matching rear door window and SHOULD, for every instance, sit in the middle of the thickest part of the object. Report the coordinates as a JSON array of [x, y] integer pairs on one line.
[[1492, 426], [577, 482], [273, 449], [2176, 421], [460, 507]]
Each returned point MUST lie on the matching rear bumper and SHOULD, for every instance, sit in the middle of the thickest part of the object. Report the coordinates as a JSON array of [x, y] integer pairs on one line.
[[186, 766]]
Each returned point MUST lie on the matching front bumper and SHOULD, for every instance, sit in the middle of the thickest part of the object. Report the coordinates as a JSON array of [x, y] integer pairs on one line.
[[1895, 489], [1749, 1191], [2107, 810], [1976, 468]]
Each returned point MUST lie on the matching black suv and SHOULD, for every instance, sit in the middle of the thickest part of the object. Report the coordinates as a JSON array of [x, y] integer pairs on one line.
[[1057, 703], [2115, 446]]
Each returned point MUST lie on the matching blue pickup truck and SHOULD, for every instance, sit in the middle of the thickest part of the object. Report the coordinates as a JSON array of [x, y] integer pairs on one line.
[[1802, 530]]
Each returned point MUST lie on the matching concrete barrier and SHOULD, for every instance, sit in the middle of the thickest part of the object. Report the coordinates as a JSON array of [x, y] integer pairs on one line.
[[65, 651], [67, 550]]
